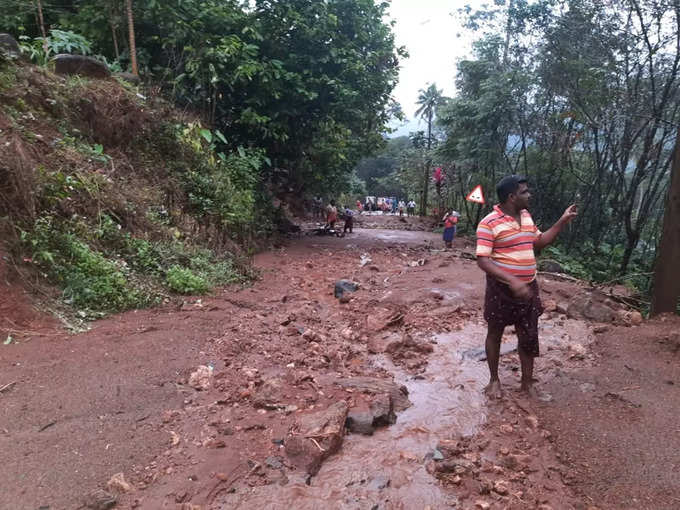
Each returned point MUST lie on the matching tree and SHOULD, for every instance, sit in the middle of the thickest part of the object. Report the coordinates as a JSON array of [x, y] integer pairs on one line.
[[428, 100], [666, 290], [131, 34]]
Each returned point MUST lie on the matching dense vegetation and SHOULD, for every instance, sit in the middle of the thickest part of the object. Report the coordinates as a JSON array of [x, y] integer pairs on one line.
[[580, 96], [287, 96], [119, 199]]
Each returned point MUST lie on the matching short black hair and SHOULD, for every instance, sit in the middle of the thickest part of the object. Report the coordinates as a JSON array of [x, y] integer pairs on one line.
[[507, 185]]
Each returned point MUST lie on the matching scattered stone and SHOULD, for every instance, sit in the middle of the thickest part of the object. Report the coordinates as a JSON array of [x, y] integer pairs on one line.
[[360, 422], [532, 421], [450, 447], [483, 505], [342, 286], [587, 387], [379, 320], [506, 429], [382, 410], [500, 487], [603, 328], [347, 333], [374, 385], [379, 483], [437, 455], [578, 350], [320, 435], [269, 394], [635, 318], [583, 305], [99, 500], [549, 305], [190, 506], [562, 307], [80, 65], [201, 379], [118, 484], [274, 462], [378, 344], [310, 335]]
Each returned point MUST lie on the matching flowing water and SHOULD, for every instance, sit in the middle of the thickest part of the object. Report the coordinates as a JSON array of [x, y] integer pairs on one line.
[[387, 470]]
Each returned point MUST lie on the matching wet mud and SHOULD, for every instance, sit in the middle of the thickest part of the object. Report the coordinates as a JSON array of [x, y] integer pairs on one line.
[[231, 377]]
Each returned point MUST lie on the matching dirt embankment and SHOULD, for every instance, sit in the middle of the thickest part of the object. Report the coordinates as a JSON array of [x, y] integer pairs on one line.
[[240, 400]]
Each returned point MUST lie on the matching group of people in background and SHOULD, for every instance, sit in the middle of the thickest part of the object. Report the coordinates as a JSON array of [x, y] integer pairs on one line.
[[331, 213], [388, 206]]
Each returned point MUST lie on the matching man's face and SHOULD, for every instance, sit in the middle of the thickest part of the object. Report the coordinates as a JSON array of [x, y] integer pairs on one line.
[[522, 196]]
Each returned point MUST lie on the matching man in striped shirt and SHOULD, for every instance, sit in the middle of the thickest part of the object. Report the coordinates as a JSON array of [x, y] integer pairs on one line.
[[506, 242]]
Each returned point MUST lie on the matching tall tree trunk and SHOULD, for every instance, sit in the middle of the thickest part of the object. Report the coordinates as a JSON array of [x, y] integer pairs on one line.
[[41, 21], [666, 280], [131, 31], [116, 51]]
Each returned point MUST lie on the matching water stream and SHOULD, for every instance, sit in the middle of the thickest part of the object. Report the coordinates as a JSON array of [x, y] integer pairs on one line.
[[387, 470]]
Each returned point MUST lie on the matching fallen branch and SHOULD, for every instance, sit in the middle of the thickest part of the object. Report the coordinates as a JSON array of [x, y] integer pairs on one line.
[[7, 386]]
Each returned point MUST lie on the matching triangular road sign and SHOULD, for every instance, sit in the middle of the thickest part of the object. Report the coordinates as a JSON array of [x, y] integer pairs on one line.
[[476, 195]]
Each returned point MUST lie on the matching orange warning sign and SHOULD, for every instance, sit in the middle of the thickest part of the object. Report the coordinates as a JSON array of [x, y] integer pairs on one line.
[[476, 195]]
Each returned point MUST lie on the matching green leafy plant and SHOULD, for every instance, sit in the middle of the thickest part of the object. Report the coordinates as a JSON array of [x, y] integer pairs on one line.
[[58, 41], [89, 280], [184, 281]]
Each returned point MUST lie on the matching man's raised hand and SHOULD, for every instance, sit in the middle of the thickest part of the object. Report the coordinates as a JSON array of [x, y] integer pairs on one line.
[[569, 214]]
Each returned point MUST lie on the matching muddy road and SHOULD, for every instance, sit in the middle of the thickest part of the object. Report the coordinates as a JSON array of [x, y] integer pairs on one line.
[[282, 395]]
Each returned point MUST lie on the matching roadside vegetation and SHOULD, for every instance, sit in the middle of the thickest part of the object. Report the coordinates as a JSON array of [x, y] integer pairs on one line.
[[582, 98]]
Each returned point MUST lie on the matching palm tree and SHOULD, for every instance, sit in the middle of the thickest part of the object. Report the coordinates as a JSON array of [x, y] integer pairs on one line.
[[428, 99]]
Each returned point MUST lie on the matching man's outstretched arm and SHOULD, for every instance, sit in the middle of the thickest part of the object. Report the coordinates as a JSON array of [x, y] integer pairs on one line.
[[549, 235]]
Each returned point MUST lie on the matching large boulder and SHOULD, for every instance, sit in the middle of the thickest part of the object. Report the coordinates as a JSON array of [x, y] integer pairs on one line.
[[80, 65], [367, 416], [9, 46], [376, 386], [585, 306], [317, 436], [342, 286]]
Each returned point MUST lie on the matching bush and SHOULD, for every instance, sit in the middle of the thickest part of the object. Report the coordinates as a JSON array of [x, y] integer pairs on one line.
[[89, 280], [184, 281]]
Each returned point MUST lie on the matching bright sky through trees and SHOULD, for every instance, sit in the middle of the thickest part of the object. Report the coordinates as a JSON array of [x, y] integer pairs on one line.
[[432, 33]]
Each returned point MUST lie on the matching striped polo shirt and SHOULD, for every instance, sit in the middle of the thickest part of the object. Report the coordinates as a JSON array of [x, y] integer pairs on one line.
[[509, 245]]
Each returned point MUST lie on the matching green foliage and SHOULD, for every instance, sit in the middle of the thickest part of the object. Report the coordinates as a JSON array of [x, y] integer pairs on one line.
[[111, 278], [601, 265], [89, 280], [184, 281], [58, 41]]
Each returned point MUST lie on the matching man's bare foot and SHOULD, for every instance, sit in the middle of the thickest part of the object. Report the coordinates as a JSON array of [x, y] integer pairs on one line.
[[530, 391], [493, 390]]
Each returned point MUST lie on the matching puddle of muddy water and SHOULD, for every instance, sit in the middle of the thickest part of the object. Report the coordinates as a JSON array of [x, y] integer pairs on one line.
[[388, 468]]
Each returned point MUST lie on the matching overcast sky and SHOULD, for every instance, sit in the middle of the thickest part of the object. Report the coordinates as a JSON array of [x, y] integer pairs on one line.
[[431, 32]]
